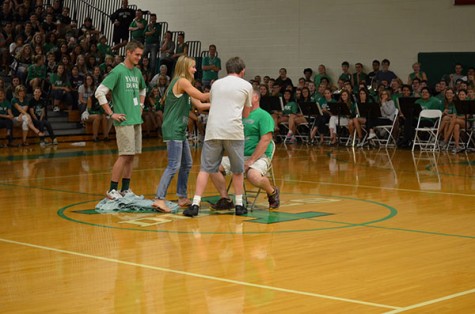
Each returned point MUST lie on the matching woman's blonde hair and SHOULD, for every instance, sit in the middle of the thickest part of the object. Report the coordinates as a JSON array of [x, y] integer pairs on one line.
[[182, 66]]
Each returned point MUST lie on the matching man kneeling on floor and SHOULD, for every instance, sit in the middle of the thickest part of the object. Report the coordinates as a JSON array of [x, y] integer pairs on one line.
[[258, 149]]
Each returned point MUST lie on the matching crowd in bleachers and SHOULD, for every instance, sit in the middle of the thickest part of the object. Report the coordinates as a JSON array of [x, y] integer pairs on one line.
[[359, 90], [66, 59]]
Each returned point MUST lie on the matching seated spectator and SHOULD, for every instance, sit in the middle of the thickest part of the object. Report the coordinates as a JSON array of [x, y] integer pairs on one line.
[[283, 80], [97, 118], [10, 91], [37, 110], [167, 48], [153, 112], [85, 91], [388, 109], [21, 115], [359, 76], [104, 48], [163, 70], [322, 73], [363, 100], [416, 67], [60, 88], [346, 76], [341, 120], [385, 74], [457, 121], [6, 117], [427, 101], [76, 80], [258, 147], [36, 73], [108, 61], [23, 59], [291, 114], [181, 47], [307, 73], [457, 75], [320, 124], [263, 90]]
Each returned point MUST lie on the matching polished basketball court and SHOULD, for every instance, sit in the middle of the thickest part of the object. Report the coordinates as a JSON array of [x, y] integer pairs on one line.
[[358, 231]]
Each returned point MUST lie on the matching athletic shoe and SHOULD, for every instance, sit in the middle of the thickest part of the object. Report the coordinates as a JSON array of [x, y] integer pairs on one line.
[[128, 193], [223, 204], [191, 211], [240, 210], [55, 141], [274, 199], [113, 195], [56, 109], [371, 135]]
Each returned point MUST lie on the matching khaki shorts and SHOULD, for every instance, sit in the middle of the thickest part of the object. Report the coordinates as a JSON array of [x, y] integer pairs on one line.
[[129, 139], [261, 165]]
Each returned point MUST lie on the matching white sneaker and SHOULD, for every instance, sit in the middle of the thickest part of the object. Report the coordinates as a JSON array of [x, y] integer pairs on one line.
[[371, 135], [55, 141], [113, 195], [128, 193], [56, 109]]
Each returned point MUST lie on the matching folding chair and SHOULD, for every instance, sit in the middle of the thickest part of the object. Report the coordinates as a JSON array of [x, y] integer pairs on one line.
[[432, 132], [252, 195], [388, 129]]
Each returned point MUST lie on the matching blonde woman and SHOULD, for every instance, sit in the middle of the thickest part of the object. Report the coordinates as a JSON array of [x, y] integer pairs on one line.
[[180, 96]]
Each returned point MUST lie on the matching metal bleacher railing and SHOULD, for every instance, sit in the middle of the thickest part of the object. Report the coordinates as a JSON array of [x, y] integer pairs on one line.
[[100, 12]]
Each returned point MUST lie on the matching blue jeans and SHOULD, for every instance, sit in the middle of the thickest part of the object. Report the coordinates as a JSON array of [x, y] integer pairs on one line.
[[179, 159]]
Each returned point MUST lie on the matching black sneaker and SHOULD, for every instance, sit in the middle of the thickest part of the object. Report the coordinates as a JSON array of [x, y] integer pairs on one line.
[[240, 210], [223, 204], [274, 199], [191, 211]]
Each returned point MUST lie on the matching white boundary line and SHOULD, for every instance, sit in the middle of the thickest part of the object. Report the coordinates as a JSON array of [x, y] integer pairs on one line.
[[236, 282], [414, 306]]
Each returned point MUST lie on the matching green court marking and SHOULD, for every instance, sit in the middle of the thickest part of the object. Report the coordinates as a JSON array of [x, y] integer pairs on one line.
[[257, 216], [261, 217]]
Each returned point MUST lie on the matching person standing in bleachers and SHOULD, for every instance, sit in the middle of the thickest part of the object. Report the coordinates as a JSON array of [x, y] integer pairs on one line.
[[122, 18]]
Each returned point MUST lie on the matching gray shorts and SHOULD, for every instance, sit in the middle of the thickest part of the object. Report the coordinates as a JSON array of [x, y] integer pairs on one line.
[[213, 152], [129, 139]]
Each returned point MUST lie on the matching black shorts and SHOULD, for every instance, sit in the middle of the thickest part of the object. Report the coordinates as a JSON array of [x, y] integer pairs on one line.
[[120, 35]]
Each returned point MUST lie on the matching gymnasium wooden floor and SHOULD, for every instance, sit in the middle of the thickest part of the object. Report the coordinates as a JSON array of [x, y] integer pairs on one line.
[[359, 231]]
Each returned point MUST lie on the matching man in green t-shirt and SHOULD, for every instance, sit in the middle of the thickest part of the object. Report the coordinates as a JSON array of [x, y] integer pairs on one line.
[[211, 65], [128, 89], [137, 27], [152, 33], [258, 151]]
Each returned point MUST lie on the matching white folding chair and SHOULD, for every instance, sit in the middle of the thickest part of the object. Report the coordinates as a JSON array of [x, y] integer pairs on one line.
[[432, 132], [388, 131]]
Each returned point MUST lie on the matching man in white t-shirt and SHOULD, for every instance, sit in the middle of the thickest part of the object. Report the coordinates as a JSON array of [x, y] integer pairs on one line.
[[230, 102]]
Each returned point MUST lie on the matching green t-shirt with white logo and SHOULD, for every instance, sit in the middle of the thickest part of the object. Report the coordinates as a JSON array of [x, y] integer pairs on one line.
[[258, 123], [290, 107], [125, 85]]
